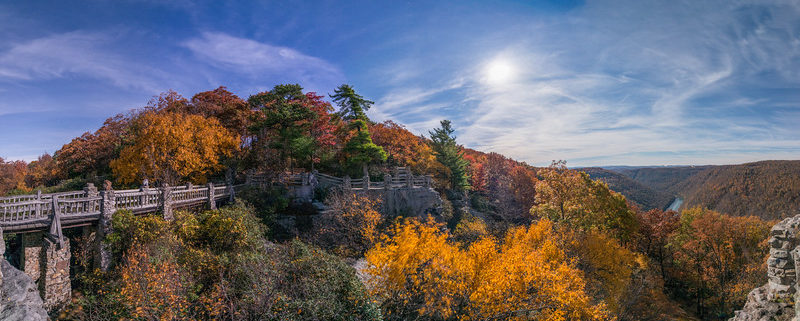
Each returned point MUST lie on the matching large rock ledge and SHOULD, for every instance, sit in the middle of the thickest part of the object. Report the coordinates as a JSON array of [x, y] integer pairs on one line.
[[776, 299], [20, 296]]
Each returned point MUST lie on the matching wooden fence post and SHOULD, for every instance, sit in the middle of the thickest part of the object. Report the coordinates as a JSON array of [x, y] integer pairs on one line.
[[387, 181], [38, 204], [212, 204], [104, 228], [166, 202]]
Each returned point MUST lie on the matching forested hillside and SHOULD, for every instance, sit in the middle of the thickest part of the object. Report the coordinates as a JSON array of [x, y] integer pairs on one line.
[[662, 179], [767, 189], [640, 194]]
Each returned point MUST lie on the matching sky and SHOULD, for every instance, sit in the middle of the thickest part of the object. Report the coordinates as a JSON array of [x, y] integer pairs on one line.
[[628, 82]]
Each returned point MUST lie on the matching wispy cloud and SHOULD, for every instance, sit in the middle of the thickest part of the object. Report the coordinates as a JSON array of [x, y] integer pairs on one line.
[[636, 83], [260, 59], [77, 53]]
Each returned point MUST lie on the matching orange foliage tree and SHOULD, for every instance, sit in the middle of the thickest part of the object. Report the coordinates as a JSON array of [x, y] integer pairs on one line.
[[419, 273], [717, 255], [93, 152], [151, 287], [404, 148], [170, 147], [12, 175], [42, 172]]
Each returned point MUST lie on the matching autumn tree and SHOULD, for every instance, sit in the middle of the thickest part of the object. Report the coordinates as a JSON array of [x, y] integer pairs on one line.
[[42, 172], [351, 105], [449, 153], [12, 175], [403, 148], [92, 153], [170, 147], [232, 112], [655, 228], [572, 198], [418, 273], [714, 253]]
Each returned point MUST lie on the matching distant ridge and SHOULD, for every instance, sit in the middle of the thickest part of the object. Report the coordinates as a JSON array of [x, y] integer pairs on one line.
[[767, 189]]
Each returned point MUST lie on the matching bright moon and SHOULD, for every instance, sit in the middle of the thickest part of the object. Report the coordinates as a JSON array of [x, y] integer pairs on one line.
[[499, 72]]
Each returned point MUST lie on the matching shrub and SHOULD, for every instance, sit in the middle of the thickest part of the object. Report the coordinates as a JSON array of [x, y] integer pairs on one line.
[[350, 225]]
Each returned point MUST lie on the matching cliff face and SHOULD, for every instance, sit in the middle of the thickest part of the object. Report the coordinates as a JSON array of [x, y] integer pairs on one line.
[[20, 298], [776, 299]]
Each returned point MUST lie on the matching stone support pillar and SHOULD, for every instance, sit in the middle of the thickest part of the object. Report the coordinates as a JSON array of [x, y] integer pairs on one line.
[[212, 204], [346, 183], [166, 202], [31, 253], [410, 180], [107, 210], [248, 178], [387, 182], [2, 255], [54, 285], [90, 190]]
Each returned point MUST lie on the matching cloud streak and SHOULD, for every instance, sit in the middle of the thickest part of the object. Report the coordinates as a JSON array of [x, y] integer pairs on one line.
[[258, 59], [638, 83], [76, 54]]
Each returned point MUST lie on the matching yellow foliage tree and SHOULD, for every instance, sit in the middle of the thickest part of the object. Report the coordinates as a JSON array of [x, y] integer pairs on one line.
[[170, 147], [608, 266], [571, 198], [418, 272]]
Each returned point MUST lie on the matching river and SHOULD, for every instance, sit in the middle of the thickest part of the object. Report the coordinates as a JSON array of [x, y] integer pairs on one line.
[[676, 204]]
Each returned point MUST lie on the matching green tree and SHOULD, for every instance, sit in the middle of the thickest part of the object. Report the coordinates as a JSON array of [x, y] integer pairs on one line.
[[360, 150], [351, 104], [295, 124], [450, 155]]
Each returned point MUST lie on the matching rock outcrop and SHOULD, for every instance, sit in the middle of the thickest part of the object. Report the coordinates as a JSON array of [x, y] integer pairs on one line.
[[20, 296], [776, 299]]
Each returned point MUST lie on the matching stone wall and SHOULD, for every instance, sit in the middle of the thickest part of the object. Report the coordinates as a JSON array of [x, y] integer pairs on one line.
[[411, 202], [55, 284], [775, 300], [31, 259]]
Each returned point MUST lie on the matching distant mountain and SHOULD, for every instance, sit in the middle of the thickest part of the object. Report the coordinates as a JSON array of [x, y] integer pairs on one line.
[[636, 192], [767, 189], [664, 179]]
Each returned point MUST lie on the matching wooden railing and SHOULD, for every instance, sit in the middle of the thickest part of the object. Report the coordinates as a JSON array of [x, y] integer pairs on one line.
[[38, 211], [401, 178]]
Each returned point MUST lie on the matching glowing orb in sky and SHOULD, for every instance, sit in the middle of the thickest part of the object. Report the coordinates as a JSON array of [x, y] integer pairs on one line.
[[499, 71]]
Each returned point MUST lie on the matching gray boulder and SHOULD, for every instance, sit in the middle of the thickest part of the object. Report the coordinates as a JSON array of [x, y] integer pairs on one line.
[[19, 296]]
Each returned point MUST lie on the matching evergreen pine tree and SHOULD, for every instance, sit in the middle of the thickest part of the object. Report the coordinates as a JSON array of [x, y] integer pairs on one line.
[[450, 155]]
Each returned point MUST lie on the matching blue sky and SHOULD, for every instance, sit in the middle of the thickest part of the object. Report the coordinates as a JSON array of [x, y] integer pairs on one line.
[[595, 82]]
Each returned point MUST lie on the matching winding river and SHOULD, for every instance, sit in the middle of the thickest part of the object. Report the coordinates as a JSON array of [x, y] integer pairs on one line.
[[676, 204]]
